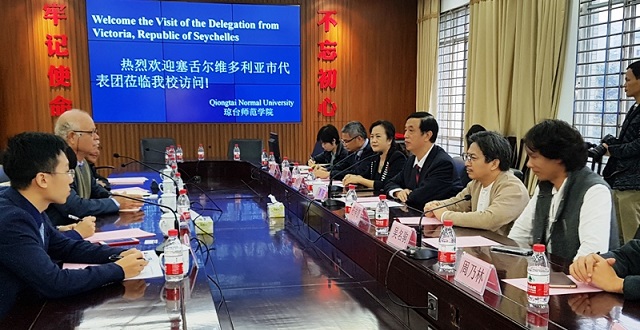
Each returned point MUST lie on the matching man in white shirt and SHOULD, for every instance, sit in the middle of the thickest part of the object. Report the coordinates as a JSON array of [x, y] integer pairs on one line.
[[571, 209]]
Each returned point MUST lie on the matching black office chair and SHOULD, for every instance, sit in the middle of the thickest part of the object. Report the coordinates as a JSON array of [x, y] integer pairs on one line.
[[518, 174], [250, 150], [152, 151], [462, 170]]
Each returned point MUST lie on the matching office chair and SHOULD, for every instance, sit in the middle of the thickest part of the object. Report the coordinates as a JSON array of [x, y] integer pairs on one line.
[[154, 157], [250, 150], [461, 169]]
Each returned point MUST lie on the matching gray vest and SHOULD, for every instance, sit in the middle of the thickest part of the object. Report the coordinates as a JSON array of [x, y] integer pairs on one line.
[[564, 231]]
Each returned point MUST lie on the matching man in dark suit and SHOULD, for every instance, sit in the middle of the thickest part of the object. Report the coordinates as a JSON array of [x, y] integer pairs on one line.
[[87, 197], [354, 139], [429, 173]]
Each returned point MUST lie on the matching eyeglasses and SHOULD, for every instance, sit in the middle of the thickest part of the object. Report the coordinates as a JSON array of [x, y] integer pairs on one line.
[[347, 141], [94, 132], [70, 172], [469, 157]]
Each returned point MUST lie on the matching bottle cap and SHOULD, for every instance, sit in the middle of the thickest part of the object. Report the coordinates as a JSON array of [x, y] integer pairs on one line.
[[382, 197], [448, 223], [538, 248], [200, 144], [236, 145], [264, 150], [183, 191], [179, 146], [352, 186], [270, 152], [178, 174], [173, 232], [296, 164]]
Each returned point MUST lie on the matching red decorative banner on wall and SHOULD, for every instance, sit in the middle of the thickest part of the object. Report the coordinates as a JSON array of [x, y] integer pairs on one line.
[[327, 51], [60, 75]]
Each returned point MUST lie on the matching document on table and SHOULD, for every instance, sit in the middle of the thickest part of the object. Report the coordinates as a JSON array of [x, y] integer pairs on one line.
[[118, 234], [463, 241], [521, 283], [413, 221], [131, 191], [151, 270], [132, 180], [371, 202]]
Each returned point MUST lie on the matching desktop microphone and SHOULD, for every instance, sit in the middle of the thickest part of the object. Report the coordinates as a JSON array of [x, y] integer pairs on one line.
[[332, 204], [133, 160], [176, 224], [419, 252]]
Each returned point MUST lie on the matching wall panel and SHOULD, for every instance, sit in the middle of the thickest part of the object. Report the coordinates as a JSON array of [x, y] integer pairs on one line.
[[376, 76]]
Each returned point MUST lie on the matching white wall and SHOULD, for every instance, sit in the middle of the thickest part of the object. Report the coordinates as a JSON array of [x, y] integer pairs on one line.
[[446, 5], [567, 90]]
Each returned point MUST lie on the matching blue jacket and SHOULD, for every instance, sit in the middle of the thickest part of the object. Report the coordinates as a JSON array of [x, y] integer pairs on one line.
[[26, 261]]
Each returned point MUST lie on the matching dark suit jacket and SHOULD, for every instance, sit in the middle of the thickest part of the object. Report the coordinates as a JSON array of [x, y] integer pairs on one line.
[[438, 179], [99, 177], [392, 166], [362, 168], [325, 156], [98, 204]]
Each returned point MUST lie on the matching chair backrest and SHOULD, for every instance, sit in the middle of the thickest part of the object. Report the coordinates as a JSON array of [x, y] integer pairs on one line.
[[154, 156], [461, 168], [3, 176], [518, 174], [250, 150]]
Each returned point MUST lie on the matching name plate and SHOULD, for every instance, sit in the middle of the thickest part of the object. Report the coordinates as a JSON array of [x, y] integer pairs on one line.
[[320, 192], [357, 214], [401, 236], [477, 275]]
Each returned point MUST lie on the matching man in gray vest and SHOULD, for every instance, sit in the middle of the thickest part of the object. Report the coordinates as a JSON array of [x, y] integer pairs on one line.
[[571, 210]]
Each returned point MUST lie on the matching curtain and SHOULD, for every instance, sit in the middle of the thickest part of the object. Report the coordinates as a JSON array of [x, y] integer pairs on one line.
[[428, 17], [516, 52]]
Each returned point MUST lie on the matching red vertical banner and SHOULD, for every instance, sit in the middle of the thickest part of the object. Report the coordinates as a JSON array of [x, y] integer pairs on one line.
[[327, 52], [59, 76]]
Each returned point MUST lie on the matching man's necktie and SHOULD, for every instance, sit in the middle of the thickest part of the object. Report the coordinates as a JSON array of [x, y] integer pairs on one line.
[[417, 167]]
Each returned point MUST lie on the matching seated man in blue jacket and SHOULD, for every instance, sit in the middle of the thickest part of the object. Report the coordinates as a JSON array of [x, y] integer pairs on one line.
[[429, 174], [40, 175]]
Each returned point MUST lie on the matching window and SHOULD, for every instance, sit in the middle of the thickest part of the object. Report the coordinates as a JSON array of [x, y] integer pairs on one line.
[[608, 40], [452, 78]]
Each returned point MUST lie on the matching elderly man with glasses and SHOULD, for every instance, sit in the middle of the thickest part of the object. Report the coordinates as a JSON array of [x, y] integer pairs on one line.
[[497, 196], [87, 198]]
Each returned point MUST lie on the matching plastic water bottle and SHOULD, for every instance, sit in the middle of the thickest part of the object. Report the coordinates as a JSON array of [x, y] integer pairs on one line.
[[382, 216], [447, 247], [296, 177], [286, 172], [173, 263], [309, 181], [351, 198], [273, 166], [179, 154], [174, 170], [184, 211], [264, 158], [179, 181], [538, 277], [200, 152], [166, 156], [538, 317], [236, 153]]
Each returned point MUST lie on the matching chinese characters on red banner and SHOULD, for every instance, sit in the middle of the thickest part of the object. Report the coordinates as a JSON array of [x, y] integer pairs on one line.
[[59, 76], [327, 78]]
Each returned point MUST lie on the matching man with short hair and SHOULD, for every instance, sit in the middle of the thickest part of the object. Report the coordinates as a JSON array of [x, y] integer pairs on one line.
[[40, 175], [429, 173], [355, 140], [571, 209], [497, 196], [87, 197]]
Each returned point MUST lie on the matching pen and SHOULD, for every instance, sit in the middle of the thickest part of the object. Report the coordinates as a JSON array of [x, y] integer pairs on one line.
[[73, 217], [114, 257]]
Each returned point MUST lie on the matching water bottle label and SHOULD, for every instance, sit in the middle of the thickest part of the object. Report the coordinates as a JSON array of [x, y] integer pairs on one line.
[[382, 222], [446, 257], [538, 285], [173, 265], [347, 208]]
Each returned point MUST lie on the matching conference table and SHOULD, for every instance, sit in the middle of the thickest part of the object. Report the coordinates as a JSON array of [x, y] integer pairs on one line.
[[295, 272]]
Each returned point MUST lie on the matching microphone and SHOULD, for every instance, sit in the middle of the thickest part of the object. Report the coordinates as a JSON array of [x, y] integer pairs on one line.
[[176, 223], [133, 160], [419, 252], [334, 204]]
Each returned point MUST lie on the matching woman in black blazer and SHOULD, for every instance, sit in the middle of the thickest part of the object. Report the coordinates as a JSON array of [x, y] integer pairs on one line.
[[390, 161]]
